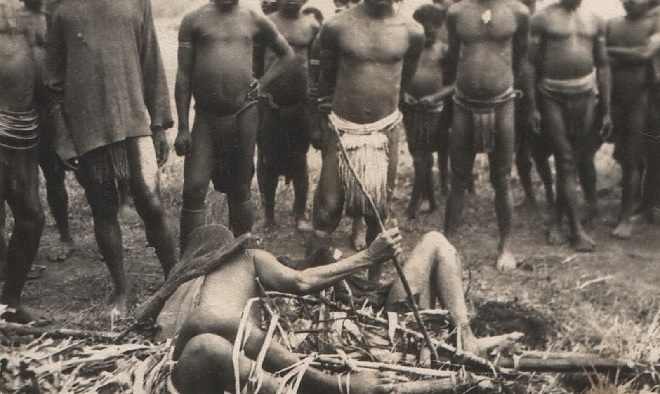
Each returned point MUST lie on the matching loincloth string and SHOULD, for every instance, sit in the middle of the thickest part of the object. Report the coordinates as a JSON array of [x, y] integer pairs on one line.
[[484, 117], [367, 148], [19, 130]]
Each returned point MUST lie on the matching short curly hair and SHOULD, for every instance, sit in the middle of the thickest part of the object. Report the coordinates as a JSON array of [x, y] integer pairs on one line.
[[430, 13]]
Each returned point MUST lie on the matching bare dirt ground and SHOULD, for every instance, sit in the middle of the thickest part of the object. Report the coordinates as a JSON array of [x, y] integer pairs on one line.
[[602, 302]]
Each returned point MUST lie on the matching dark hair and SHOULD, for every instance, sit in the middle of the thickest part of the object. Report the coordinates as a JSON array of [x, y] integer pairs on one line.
[[318, 15], [430, 13]]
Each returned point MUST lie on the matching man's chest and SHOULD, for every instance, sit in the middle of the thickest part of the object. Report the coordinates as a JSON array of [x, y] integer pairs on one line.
[[481, 23], [562, 26], [383, 45], [631, 33]]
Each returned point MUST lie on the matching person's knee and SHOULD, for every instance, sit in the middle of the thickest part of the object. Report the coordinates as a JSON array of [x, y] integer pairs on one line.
[[30, 217], [206, 347], [500, 179], [435, 238], [194, 194]]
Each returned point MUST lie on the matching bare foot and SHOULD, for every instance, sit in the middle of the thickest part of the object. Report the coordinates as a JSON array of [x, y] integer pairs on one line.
[[583, 243], [269, 221], [623, 230], [469, 342], [61, 252], [303, 225], [24, 315], [555, 236], [359, 234], [118, 306], [366, 382], [506, 261]]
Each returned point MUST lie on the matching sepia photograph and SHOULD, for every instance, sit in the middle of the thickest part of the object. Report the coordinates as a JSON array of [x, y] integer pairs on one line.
[[329, 196]]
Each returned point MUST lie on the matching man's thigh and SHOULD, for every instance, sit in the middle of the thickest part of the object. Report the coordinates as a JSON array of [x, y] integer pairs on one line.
[[20, 176], [143, 165], [461, 144], [555, 130], [505, 135], [198, 164]]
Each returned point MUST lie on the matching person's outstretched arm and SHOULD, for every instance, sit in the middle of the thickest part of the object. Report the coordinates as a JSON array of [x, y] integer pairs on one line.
[[276, 276]]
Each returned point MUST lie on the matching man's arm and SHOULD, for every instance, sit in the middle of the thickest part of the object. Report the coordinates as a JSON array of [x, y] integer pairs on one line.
[[276, 276], [183, 86], [532, 66], [450, 65], [329, 60], [520, 43], [154, 85], [411, 59], [604, 77], [268, 36]]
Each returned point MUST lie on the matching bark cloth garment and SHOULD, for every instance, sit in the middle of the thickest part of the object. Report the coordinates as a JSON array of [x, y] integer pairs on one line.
[[484, 112], [367, 149], [283, 134], [104, 64], [224, 135], [19, 130], [423, 125]]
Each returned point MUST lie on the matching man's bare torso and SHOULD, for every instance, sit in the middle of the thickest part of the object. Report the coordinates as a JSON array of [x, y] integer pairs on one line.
[[291, 86], [624, 32], [370, 54], [17, 65], [222, 64], [428, 76], [567, 41], [485, 30]]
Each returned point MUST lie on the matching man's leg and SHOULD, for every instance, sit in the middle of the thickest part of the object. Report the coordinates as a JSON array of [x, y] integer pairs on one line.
[[328, 201], [21, 190], [585, 150], [56, 194], [207, 356], [104, 203], [238, 198], [461, 161], [267, 176], [567, 201], [632, 148], [197, 169], [541, 152], [145, 188], [433, 270], [3, 241], [523, 160], [651, 188], [500, 178], [443, 156], [300, 188]]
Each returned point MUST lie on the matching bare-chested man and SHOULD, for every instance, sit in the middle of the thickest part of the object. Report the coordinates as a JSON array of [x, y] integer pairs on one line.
[[283, 138], [422, 108], [368, 54], [203, 346], [569, 68], [216, 44], [19, 172], [103, 63], [487, 44], [631, 42]]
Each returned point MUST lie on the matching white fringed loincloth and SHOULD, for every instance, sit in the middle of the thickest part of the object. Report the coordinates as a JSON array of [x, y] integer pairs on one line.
[[366, 146]]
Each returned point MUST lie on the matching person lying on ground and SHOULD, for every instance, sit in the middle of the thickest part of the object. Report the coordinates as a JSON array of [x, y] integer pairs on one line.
[[203, 346]]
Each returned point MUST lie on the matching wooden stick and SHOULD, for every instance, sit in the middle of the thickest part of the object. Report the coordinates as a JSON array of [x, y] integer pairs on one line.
[[58, 333], [338, 361], [397, 264], [567, 362]]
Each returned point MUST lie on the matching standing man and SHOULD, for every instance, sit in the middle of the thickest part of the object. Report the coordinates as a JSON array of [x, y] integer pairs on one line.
[[368, 54], [569, 69], [216, 43], [631, 43], [487, 46], [283, 138], [423, 106], [19, 172], [104, 61]]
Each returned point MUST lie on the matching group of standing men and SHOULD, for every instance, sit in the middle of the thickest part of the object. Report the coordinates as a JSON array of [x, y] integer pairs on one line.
[[281, 81]]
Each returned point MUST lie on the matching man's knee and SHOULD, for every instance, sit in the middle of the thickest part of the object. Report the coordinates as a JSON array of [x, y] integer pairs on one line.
[[30, 217], [194, 194], [500, 179], [206, 347]]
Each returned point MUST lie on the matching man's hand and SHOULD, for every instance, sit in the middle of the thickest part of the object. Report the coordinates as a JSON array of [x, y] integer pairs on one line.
[[606, 129], [160, 145], [535, 121], [182, 142], [386, 246]]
